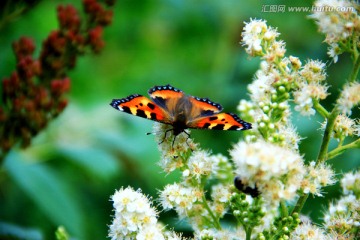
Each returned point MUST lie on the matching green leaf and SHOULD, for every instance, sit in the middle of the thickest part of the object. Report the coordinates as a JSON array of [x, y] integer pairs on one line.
[[11, 230], [50, 193], [97, 161]]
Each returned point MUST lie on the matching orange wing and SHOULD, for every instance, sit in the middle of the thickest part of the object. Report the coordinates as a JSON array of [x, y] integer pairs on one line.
[[166, 97], [220, 121], [202, 107], [141, 106]]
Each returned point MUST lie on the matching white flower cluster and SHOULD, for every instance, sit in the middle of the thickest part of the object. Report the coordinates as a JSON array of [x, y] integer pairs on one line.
[[171, 147], [216, 234], [220, 195], [343, 217], [199, 164], [310, 86], [180, 197], [197, 167], [317, 177], [339, 21], [350, 183], [349, 98], [259, 39], [277, 172], [134, 217], [343, 127], [269, 108], [307, 230]]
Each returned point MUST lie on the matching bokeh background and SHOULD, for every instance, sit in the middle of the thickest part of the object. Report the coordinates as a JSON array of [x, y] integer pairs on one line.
[[73, 167]]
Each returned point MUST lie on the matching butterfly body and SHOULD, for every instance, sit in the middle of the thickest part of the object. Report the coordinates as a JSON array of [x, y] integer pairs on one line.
[[172, 106]]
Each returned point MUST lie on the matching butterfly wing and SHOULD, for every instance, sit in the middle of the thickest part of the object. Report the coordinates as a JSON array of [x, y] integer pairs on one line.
[[220, 121], [201, 107], [166, 97], [176, 103], [141, 106]]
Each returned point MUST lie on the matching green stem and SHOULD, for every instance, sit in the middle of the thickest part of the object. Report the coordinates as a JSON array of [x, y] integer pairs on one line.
[[300, 203], [215, 220], [322, 156], [248, 233], [341, 141], [284, 210], [354, 46], [341, 149], [327, 136], [355, 70], [323, 112]]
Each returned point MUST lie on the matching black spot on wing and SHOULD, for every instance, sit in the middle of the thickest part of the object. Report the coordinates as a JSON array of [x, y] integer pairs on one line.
[[126, 109], [213, 118], [234, 128], [151, 106], [206, 125], [153, 116], [140, 113], [219, 127]]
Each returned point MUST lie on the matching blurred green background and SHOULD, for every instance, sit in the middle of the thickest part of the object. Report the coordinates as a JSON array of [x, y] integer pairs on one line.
[[73, 167]]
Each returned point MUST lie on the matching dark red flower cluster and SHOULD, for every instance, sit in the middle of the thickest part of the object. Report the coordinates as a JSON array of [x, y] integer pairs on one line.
[[34, 93], [99, 17]]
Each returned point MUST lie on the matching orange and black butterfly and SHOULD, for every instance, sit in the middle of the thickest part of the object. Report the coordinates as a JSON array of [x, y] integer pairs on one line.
[[172, 106]]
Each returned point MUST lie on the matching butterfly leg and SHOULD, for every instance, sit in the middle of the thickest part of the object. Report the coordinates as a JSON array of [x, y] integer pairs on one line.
[[188, 136], [166, 135]]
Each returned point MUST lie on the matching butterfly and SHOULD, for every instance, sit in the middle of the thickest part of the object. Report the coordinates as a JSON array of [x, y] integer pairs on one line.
[[172, 106]]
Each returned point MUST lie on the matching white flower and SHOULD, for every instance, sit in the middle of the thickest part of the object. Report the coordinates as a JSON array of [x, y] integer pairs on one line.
[[275, 171], [179, 197], [220, 193], [169, 145], [303, 101], [222, 168], [295, 62], [252, 35], [335, 18], [200, 164], [307, 230], [349, 97], [343, 217], [343, 127], [150, 233], [261, 87], [133, 215], [350, 182], [313, 71], [290, 136], [171, 235], [317, 177], [219, 234], [334, 51]]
